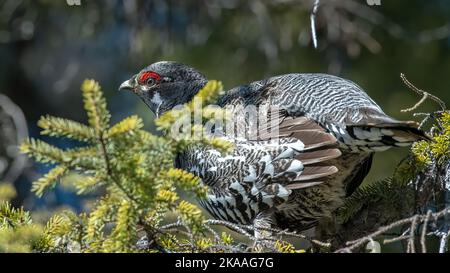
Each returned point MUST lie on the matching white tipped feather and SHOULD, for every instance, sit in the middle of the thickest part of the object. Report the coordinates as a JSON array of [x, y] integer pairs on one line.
[[296, 166]]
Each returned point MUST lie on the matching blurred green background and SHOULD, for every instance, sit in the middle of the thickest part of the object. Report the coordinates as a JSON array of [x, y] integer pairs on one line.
[[48, 47]]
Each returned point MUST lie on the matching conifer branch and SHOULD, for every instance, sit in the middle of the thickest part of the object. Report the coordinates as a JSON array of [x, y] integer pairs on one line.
[[58, 127], [95, 105], [49, 180], [110, 172]]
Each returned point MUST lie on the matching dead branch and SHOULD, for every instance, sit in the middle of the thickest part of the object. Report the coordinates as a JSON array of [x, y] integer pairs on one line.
[[425, 95], [414, 221]]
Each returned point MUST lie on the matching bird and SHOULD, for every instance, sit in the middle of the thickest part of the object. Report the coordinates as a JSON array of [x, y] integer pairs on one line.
[[313, 149]]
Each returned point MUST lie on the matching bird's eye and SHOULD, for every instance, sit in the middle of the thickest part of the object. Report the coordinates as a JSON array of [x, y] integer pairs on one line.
[[150, 81], [149, 78]]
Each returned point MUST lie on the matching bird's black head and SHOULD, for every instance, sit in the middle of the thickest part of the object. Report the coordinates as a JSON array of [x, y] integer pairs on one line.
[[163, 85]]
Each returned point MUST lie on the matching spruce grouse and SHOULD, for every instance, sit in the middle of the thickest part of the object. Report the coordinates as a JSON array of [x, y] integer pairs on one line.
[[328, 129]]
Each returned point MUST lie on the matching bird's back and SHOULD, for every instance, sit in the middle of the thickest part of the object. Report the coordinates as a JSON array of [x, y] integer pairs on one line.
[[322, 97]]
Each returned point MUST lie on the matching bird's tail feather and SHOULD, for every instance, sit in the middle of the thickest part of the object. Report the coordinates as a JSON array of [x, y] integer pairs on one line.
[[381, 136]]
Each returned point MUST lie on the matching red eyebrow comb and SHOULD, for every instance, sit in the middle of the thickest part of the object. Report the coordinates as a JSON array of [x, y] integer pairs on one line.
[[149, 74]]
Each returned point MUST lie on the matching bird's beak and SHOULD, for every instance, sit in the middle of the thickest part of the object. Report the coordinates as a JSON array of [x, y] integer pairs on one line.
[[126, 85]]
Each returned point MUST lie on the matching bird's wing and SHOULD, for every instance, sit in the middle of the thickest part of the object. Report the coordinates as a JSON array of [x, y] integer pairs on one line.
[[263, 172], [312, 148]]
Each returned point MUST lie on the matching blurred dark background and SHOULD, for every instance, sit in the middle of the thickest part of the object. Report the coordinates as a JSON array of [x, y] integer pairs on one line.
[[48, 47]]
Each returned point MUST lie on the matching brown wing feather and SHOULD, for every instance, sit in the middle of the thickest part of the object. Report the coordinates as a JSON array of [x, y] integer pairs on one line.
[[318, 156], [320, 148], [316, 172], [314, 139], [297, 186]]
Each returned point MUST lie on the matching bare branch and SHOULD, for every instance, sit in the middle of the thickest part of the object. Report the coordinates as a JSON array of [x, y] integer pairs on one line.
[[411, 246], [443, 243], [414, 221], [313, 22], [424, 232], [422, 93]]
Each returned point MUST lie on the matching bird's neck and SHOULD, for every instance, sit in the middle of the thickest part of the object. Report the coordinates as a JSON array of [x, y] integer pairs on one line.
[[167, 100]]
